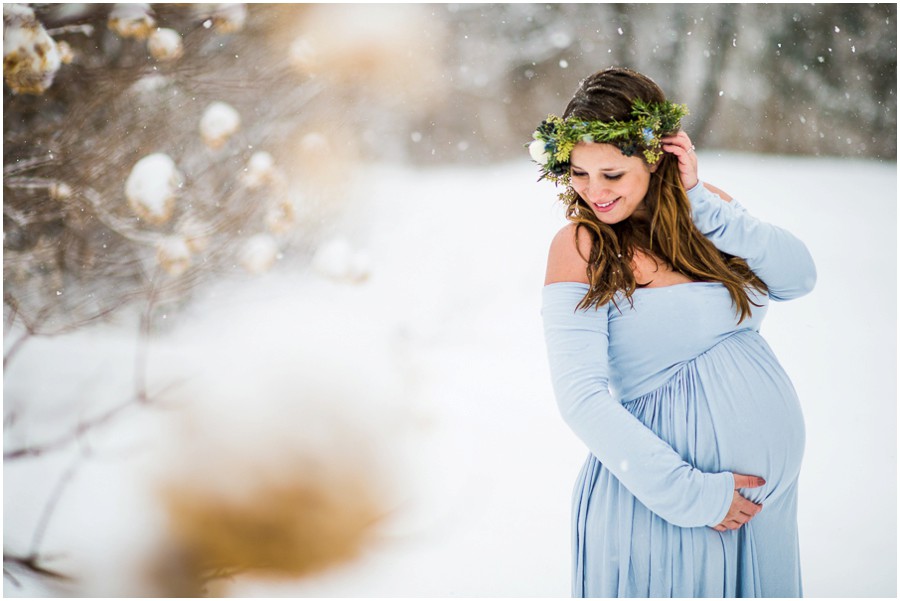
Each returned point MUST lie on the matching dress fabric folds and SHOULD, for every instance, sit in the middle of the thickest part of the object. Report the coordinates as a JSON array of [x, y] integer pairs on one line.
[[672, 393]]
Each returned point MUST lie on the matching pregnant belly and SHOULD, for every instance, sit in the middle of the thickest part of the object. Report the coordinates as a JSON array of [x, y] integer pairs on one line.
[[733, 409]]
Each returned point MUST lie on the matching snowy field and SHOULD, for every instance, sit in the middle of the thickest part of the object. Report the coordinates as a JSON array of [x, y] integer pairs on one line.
[[481, 459]]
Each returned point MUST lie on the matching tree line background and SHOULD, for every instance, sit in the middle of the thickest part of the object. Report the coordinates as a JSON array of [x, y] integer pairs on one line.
[[773, 78]]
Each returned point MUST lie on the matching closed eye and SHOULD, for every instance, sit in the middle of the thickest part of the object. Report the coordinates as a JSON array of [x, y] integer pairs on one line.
[[613, 177]]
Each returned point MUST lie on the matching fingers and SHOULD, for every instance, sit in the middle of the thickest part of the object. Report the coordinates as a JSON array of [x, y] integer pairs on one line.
[[745, 506], [744, 481], [678, 144], [741, 511], [681, 147], [677, 150]]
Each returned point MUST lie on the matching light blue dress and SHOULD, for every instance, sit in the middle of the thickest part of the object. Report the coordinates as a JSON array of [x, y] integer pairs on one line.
[[672, 395]]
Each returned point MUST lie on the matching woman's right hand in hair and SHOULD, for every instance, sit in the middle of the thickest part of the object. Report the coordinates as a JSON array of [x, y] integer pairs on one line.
[[742, 510]]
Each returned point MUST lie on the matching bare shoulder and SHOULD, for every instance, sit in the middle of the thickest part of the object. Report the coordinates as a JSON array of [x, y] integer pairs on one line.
[[566, 262], [722, 194]]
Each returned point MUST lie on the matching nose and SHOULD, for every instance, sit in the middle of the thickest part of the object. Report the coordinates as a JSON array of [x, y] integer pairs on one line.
[[597, 191]]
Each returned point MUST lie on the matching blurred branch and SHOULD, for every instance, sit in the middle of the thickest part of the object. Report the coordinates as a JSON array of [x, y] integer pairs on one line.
[[141, 396], [32, 562], [82, 429], [50, 506], [29, 564], [85, 29], [33, 326], [28, 164]]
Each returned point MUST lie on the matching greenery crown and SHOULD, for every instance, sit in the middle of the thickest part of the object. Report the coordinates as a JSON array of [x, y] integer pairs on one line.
[[555, 137]]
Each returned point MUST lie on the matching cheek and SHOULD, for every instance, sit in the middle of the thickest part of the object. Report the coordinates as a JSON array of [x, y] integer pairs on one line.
[[578, 185], [640, 186]]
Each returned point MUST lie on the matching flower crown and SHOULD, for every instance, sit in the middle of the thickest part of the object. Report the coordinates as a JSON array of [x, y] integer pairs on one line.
[[555, 137]]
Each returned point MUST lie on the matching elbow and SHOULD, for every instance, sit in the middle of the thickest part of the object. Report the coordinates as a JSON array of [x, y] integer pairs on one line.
[[570, 410], [800, 284], [809, 282]]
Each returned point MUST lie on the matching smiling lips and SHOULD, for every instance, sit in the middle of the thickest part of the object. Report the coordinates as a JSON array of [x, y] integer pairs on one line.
[[607, 206]]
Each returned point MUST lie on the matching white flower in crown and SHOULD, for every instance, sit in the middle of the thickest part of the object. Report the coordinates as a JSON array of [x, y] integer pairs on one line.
[[538, 151]]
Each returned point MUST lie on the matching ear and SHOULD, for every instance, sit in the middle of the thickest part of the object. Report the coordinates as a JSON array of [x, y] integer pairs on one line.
[[653, 167]]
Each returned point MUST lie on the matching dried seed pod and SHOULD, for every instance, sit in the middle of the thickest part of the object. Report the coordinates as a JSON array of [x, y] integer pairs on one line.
[[132, 20], [258, 253], [260, 170], [165, 45], [173, 255], [303, 56], [229, 18], [219, 122], [31, 57], [152, 186], [66, 54], [338, 260], [60, 191], [281, 216]]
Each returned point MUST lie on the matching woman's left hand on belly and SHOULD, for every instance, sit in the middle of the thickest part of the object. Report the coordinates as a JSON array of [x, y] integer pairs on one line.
[[742, 510]]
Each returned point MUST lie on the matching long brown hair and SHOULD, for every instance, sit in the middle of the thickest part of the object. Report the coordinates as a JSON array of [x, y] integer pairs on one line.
[[669, 235]]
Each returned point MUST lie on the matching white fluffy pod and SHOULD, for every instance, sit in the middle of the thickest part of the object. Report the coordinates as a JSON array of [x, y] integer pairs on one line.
[[66, 54], [229, 18], [174, 255], [338, 260], [219, 122], [314, 143], [165, 44], [303, 55], [31, 57], [281, 216], [152, 186], [259, 253], [132, 20], [260, 170], [60, 191]]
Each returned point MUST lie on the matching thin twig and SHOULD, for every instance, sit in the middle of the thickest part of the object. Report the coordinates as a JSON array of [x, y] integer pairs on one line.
[[85, 427], [8, 575], [26, 164], [14, 347], [49, 508], [10, 301], [140, 359], [30, 564], [62, 441], [85, 28]]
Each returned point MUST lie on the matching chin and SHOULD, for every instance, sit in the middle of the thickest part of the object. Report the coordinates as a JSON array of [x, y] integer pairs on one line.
[[609, 218]]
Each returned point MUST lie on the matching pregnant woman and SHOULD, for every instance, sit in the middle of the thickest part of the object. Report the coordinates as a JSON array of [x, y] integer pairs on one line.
[[652, 307]]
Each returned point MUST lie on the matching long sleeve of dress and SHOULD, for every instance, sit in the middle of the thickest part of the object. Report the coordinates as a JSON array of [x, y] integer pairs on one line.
[[775, 255], [577, 346]]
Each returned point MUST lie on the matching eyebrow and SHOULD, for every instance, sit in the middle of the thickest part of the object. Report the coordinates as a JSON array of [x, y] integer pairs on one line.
[[574, 166]]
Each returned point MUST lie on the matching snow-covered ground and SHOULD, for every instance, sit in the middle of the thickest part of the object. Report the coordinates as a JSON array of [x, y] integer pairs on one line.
[[477, 452]]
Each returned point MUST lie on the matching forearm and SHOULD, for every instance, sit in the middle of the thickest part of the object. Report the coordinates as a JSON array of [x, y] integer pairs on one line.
[[775, 255], [577, 345]]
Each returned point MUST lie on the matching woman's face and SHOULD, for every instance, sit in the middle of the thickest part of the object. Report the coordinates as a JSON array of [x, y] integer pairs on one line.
[[612, 184]]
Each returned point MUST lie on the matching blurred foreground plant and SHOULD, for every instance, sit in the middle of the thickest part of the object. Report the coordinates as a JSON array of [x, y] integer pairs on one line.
[[275, 529], [152, 149]]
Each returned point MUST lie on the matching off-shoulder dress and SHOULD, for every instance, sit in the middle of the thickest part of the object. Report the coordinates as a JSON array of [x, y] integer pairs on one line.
[[671, 395]]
